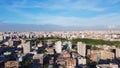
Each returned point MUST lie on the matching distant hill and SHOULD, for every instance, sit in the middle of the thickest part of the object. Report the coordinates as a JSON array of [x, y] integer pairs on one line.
[[48, 27]]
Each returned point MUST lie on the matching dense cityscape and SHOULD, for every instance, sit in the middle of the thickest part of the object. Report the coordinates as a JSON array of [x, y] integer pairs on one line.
[[83, 49], [59, 33]]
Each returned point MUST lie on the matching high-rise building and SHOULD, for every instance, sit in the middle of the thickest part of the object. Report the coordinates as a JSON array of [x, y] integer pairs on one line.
[[117, 53], [69, 45], [1, 38], [81, 49], [26, 47], [58, 47]]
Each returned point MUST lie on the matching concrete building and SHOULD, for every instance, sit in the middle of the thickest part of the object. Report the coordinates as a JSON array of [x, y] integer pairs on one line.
[[12, 64], [38, 61], [107, 65], [58, 47], [97, 55], [70, 63], [117, 52], [81, 60], [69, 45], [81, 49], [1, 38], [26, 47]]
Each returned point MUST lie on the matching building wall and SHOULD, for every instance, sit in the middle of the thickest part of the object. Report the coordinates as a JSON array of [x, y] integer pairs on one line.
[[58, 47], [12, 64], [26, 47], [117, 53], [96, 55], [1, 38], [81, 48], [81, 61]]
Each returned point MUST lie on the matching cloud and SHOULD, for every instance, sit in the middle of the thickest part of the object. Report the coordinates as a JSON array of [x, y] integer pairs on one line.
[[69, 21], [106, 19], [90, 5]]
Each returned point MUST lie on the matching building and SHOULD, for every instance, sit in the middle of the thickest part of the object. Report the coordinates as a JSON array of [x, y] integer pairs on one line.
[[107, 65], [40, 45], [96, 55], [38, 61], [12, 64], [26, 47], [58, 47], [11, 42], [70, 63], [69, 45], [81, 60], [117, 53], [1, 38], [39, 57], [81, 49]]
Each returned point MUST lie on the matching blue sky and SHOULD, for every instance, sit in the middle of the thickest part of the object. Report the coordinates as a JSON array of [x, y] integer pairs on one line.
[[61, 12]]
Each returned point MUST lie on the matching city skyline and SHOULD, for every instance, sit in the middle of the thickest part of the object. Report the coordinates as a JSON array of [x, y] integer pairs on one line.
[[62, 13]]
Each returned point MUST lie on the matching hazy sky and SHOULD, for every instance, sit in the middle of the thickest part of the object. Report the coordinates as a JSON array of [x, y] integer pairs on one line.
[[61, 12]]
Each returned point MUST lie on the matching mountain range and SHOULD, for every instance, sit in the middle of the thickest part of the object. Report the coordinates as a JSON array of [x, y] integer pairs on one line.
[[49, 27]]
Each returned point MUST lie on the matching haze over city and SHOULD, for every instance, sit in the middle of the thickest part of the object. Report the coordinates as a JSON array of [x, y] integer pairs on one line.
[[59, 33], [59, 14]]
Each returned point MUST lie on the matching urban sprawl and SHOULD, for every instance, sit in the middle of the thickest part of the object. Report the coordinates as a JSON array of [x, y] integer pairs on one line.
[[63, 49]]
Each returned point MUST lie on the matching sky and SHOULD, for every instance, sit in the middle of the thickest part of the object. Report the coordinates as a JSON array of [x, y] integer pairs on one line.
[[60, 12]]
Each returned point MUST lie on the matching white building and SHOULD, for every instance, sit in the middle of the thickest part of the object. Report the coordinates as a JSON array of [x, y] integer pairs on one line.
[[81, 61], [117, 53], [69, 45], [1, 38], [81, 49], [26, 47], [58, 47], [40, 45]]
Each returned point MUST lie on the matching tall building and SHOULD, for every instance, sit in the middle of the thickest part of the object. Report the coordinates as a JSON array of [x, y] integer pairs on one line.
[[69, 45], [26, 47], [1, 38], [58, 47], [81, 49], [117, 53]]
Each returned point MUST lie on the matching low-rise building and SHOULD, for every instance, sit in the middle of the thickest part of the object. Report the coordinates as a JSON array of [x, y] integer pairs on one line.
[[12, 64], [70, 63], [96, 55], [107, 65]]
